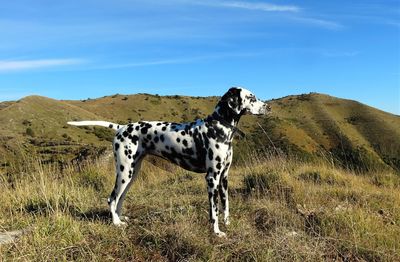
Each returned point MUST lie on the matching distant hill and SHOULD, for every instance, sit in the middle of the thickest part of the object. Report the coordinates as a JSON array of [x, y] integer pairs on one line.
[[308, 126]]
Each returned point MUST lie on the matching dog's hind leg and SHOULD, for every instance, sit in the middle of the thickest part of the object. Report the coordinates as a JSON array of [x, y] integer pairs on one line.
[[125, 162], [133, 173]]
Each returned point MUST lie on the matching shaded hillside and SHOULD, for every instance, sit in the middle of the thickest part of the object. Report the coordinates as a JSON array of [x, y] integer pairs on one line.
[[308, 126], [358, 135]]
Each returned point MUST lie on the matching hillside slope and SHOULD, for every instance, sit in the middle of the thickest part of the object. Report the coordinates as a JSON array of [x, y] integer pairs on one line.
[[37, 123], [308, 126], [352, 132]]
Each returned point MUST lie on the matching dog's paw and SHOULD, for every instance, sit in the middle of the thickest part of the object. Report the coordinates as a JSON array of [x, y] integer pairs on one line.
[[125, 218], [220, 234], [120, 224], [227, 221]]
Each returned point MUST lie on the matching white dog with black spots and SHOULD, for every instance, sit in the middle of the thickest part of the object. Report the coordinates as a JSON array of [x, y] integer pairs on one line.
[[202, 146]]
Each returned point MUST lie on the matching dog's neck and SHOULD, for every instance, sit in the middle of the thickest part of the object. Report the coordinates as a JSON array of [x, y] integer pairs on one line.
[[223, 111], [227, 118]]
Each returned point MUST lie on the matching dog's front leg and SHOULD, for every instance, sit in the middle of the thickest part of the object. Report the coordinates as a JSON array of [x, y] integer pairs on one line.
[[223, 193], [212, 178]]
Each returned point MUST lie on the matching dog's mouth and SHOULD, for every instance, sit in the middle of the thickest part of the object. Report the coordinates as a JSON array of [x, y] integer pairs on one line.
[[266, 109]]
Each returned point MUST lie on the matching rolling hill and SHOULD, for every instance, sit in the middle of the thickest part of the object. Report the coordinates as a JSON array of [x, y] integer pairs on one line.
[[309, 126]]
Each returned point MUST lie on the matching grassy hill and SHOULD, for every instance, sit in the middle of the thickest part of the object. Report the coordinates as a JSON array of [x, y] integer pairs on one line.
[[356, 135], [309, 126]]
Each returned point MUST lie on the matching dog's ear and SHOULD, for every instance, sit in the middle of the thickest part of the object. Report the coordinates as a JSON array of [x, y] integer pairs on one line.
[[233, 103], [232, 100]]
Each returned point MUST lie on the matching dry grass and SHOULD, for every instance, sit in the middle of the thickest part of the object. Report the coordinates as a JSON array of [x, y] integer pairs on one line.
[[281, 210]]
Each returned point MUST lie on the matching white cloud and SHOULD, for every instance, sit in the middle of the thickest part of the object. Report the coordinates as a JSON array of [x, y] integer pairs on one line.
[[318, 22], [21, 65], [340, 54], [186, 60], [260, 6], [252, 6], [292, 11]]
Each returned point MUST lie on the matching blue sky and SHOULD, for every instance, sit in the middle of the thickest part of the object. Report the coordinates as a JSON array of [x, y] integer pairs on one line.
[[92, 48]]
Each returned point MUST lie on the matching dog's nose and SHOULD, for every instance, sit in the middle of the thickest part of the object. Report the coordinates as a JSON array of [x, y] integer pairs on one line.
[[267, 107]]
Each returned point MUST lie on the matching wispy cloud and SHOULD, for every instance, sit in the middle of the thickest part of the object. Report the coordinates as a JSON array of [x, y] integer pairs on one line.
[[318, 22], [185, 60], [22, 65], [292, 12], [257, 6], [340, 53]]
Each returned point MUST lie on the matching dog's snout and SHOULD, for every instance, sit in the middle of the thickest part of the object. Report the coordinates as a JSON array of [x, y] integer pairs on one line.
[[267, 107]]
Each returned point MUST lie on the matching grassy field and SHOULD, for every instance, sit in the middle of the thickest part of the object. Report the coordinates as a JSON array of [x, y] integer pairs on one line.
[[281, 209]]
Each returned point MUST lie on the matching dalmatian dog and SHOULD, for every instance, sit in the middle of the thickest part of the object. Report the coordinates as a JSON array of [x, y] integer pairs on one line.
[[202, 146]]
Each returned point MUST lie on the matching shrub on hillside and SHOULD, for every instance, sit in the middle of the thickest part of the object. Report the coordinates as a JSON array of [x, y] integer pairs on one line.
[[269, 183], [104, 134], [29, 131]]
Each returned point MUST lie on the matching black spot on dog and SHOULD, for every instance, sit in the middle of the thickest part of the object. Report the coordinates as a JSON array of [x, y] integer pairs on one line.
[[112, 194], [121, 167], [178, 140], [225, 183], [156, 139], [116, 146], [211, 133], [183, 133], [210, 154], [184, 142], [110, 126], [210, 182], [210, 195], [188, 151], [137, 128], [206, 140], [123, 181], [162, 138], [134, 139], [164, 128]]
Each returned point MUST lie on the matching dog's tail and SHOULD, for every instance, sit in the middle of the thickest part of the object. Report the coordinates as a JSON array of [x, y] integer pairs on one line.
[[94, 123]]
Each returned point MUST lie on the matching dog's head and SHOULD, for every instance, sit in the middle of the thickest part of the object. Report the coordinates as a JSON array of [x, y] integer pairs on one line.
[[241, 101]]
